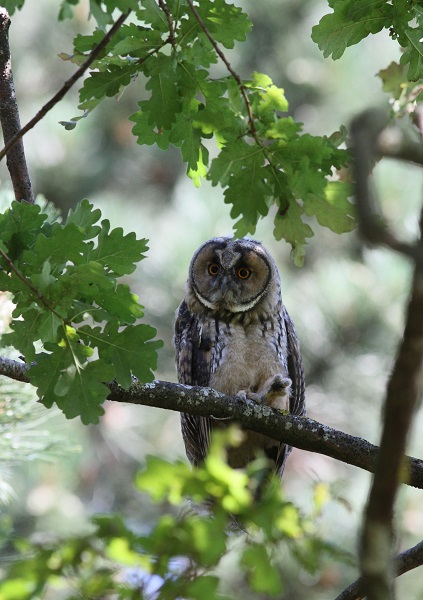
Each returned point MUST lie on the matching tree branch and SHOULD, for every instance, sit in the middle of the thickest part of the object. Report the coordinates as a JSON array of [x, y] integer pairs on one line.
[[366, 146], [376, 556], [9, 118], [66, 86], [300, 432], [404, 562]]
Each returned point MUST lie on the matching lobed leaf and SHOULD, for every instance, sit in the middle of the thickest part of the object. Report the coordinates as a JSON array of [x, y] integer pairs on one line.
[[350, 22], [413, 55], [118, 253]]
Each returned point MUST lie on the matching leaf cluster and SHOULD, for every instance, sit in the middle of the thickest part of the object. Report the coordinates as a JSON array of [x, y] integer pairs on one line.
[[353, 20], [179, 557], [259, 155], [69, 302]]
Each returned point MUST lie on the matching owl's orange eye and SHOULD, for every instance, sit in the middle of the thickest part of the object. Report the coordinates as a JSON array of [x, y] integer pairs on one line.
[[243, 273], [213, 269]]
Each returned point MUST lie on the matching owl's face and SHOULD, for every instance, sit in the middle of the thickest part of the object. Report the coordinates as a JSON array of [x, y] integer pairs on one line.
[[232, 276]]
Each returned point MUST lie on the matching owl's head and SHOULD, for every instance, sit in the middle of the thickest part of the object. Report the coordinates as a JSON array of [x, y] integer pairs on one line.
[[233, 276]]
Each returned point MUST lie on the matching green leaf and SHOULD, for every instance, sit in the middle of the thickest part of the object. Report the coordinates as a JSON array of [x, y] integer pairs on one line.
[[145, 133], [116, 252], [203, 587], [84, 217], [394, 79], [66, 10], [163, 479], [76, 387], [121, 304], [85, 43], [350, 22], [186, 136], [18, 227], [240, 167], [290, 227], [200, 170], [413, 55], [136, 41], [333, 209], [271, 97], [263, 576], [129, 351], [12, 5], [24, 333], [63, 244], [226, 22], [151, 14], [106, 83], [48, 328], [165, 101], [122, 5], [102, 17], [229, 162]]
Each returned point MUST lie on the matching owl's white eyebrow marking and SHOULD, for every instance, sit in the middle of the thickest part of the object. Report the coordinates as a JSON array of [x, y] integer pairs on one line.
[[236, 308]]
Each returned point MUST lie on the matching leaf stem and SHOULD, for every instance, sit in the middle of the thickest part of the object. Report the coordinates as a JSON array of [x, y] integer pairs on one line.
[[227, 64], [29, 285]]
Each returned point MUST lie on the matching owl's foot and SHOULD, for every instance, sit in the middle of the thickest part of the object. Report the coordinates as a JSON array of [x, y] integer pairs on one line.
[[277, 392], [278, 385], [245, 395]]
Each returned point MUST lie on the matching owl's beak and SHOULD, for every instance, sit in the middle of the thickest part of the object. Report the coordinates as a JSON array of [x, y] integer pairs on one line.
[[226, 290]]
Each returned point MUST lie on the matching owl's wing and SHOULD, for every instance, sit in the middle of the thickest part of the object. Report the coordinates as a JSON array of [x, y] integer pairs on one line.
[[295, 370], [193, 363], [296, 374]]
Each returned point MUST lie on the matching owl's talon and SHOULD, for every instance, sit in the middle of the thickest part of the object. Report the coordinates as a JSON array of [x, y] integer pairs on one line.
[[242, 395]]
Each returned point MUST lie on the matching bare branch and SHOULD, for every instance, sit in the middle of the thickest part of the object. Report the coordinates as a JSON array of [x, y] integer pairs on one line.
[[376, 554], [9, 118], [401, 399], [404, 562], [66, 86], [392, 143], [365, 134], [300, 432]]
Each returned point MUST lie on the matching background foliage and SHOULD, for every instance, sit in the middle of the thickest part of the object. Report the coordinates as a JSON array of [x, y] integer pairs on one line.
[[347, 307]]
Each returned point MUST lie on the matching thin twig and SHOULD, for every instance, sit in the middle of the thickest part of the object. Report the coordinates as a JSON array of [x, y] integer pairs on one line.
[[9, 118], [66, 86], [153, 51], [365, 134], [228, 66], [166, 11]]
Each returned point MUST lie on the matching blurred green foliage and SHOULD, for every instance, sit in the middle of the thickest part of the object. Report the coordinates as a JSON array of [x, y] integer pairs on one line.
[[180, 555]]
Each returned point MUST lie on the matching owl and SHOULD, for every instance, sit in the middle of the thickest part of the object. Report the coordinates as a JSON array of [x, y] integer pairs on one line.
[[233, 333]]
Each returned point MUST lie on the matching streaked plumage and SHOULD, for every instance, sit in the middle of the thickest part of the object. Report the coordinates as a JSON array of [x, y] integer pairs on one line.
[[233, 333]]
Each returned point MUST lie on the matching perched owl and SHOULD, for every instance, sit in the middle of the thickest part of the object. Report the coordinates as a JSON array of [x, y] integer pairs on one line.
[[233, 334]]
